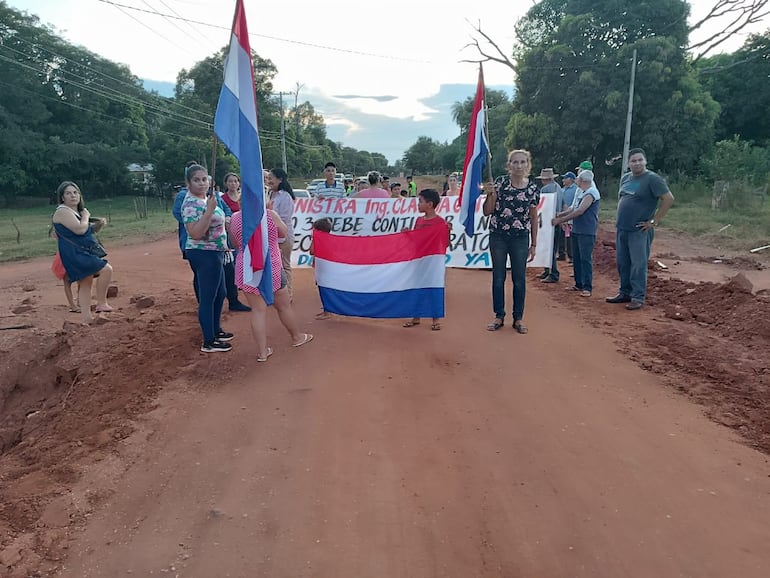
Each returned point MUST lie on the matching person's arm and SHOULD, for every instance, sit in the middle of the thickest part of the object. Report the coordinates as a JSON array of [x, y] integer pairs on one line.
[[99, 225], [279, 224], [574, 213], [533, 233], [284, 206], [65, 216], [198, 230], [666, 201], [491, 198], [236, 238]]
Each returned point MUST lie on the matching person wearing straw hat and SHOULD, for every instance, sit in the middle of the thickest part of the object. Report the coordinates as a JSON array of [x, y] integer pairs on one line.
[[550, 186]]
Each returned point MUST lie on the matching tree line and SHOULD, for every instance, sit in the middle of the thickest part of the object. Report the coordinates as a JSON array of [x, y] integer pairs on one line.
[[68, 112]]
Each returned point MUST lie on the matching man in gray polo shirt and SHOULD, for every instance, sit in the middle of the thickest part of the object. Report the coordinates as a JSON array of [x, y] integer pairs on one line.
[[640, 191], [331, 188]]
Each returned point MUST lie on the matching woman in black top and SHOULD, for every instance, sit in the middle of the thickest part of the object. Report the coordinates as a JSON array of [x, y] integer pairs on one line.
[[511, 203]]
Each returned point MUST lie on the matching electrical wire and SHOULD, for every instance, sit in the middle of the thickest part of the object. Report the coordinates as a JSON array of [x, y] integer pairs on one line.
[[287, 40]]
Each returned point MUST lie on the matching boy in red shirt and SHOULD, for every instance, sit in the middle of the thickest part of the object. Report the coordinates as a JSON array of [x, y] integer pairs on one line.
[[428, 200]]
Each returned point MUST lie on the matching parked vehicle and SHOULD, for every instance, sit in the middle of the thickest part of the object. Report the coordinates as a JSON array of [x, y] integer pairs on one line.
[[302, 193]]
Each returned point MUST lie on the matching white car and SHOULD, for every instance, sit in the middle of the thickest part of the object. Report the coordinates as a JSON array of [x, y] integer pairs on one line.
[[301, 193]]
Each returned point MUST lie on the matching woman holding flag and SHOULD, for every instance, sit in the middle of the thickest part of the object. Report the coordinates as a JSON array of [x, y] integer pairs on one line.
[[511, 201], [276, 229], [205, 249]]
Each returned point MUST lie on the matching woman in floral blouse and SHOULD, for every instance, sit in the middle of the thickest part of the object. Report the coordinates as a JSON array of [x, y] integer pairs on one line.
[[205, 248], [512, 203]]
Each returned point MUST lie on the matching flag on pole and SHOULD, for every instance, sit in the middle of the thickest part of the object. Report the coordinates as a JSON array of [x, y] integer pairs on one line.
[[388, 276], [476, 153], [235, 123]]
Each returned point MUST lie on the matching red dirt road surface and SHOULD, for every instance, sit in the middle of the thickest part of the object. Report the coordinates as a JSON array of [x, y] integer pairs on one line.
[[603, 444]]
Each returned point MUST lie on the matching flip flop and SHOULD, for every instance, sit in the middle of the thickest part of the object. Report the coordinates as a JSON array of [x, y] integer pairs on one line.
[[520, 327], [436, 327], [306, 338], [495, 325], [265, 358], [411, 323], [75, 310]]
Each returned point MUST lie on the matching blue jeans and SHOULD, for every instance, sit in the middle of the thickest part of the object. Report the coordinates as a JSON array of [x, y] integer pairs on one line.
[[633, 252], [502, 246], [211, 289], [583, 260]]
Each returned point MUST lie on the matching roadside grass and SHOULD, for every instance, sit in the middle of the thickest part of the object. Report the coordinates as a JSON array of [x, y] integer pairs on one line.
[[691, 214], [749, 226], [123, 227]]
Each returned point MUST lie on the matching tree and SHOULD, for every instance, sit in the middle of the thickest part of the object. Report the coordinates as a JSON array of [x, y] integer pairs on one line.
[[739, 83], [572, 84]]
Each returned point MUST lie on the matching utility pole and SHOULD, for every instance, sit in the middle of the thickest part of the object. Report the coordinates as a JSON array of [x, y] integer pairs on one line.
[[627, 139], [296, 104], [283, 134]]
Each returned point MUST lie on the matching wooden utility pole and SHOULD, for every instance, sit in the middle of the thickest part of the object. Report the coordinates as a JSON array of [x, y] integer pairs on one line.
[[627, 139]]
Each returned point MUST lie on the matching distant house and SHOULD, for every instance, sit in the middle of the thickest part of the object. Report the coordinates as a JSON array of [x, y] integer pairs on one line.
[[141, 173]]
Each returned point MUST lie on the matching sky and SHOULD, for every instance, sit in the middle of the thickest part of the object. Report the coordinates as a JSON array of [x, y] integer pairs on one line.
[[381, 74]]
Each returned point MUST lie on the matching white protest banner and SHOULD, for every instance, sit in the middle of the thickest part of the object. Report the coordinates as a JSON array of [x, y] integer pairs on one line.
[[353, 216]]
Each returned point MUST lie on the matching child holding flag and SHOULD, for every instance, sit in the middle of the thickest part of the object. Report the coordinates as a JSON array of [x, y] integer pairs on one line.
[[427, 202]]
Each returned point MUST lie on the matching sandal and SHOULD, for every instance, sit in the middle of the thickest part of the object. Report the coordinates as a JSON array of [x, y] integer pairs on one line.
[[306, 338], [436, 327], [269, 353], [520, 327], [411, 323], [495, 325]]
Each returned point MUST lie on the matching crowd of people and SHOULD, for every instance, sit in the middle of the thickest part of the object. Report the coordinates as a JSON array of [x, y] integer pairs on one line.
[[211, 229]]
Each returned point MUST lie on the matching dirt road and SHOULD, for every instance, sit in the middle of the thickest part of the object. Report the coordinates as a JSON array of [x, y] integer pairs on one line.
[[379, 451]]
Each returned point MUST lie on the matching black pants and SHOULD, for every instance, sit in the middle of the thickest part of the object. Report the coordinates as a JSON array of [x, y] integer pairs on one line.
[[232, 290]]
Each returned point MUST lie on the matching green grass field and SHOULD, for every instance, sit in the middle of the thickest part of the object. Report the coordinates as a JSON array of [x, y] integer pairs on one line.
[[124, 226], [691, 214]]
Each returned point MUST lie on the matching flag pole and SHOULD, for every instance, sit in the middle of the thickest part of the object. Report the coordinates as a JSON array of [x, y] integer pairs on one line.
[[214, 163], [486, 125]]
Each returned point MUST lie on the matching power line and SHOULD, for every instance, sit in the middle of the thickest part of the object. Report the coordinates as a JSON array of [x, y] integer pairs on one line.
[[64, 102], [114, 96], [94, 71], [277, 39]]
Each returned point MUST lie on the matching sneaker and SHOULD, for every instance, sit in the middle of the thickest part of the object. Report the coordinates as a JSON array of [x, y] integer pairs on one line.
[[550, 280], [224, 336], [544, 274], [585, 293], [619, 298], [238, 306], [634, 305], [215, 346]]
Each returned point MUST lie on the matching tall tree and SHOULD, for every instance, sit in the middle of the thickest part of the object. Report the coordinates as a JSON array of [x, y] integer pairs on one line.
[[572, 84], [739, 83]]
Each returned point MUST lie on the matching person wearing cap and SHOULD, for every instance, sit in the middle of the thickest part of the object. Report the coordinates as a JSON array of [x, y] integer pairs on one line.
[[395, 190], [568, 195], [550, 187], [584, 166], [638, 214], [584, 214]]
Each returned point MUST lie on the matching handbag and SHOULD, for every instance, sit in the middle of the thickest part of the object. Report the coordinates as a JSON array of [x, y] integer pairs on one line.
[[97, 250]]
